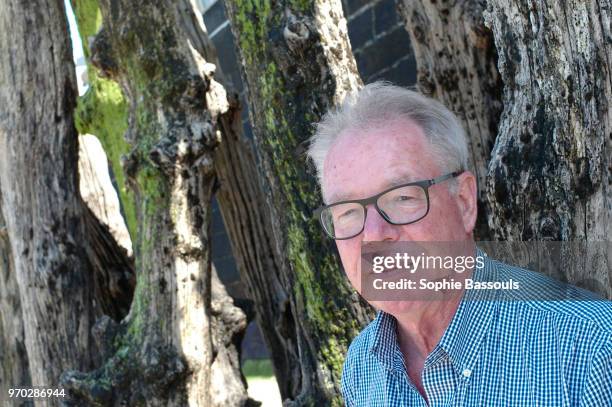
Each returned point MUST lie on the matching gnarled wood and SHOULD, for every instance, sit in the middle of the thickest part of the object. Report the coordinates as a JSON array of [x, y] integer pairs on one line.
[[247, 220], [69, 270], [457, 65], [40, 199], [297, 64], [171, 348], [549, 175]]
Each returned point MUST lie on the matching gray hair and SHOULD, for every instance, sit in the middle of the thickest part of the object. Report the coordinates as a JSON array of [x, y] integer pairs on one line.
[[380, 102]]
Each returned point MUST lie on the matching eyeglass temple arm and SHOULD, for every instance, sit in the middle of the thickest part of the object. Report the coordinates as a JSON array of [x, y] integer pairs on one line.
[[444, 177]]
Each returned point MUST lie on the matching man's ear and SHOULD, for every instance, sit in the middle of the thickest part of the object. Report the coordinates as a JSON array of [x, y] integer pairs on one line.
[[467, 196]]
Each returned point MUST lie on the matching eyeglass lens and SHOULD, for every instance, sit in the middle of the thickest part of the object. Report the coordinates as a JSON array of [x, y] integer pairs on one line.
[[401, 206]]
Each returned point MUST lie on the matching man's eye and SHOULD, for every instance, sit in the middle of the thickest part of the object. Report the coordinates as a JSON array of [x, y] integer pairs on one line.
[[347, 214], [404, 198]]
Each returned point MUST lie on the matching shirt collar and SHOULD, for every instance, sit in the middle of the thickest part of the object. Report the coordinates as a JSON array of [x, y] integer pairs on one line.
[[462, 339], [385, 346]]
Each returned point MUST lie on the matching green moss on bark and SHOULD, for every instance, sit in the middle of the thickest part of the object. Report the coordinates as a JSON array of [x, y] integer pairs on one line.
[[283, 115], [102, 110]]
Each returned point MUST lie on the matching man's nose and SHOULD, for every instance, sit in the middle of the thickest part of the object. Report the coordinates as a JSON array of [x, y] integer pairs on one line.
[[377, 229]]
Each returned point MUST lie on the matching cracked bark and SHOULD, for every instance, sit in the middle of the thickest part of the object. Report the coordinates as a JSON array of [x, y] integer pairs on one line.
[[244, 211], [297, 63], [245, 215], [546, 177], [40, 201], [549, 175], [457, 65], [62, 269], [181, 334], [179, 343]]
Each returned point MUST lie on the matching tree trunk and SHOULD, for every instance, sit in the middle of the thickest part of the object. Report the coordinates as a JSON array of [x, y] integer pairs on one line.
[[247, 220], [177, 346], [14, 370], [244, 210], [297, 64], [549, 175], [40, 200], [457, 65], [62, 268]]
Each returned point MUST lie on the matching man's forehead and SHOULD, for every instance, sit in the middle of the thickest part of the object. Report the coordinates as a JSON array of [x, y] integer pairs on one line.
[[364, 162]]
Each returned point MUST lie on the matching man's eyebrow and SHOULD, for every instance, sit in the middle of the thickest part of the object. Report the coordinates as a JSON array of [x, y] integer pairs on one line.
[[393, 182], [338, 198], [402, 179]]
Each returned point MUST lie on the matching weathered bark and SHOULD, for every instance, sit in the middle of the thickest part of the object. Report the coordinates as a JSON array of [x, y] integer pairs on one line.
[[14, 371], [457, 65], [297, 64], [40, 199], [171, 348], [549, 175], [62, 278], [247, 220]]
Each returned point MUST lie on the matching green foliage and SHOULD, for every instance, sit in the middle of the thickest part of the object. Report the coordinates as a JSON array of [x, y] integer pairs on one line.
[[252, 368]]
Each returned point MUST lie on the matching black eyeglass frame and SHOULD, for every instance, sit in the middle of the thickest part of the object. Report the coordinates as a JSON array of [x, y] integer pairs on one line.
[[425, 184]]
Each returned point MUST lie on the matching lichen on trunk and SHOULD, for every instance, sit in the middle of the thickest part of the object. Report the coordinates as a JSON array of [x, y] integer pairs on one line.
[[297, 64], [167, 349], [102, 110]]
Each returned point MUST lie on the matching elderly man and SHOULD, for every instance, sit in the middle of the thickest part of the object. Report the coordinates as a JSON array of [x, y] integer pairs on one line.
[[387, 149]]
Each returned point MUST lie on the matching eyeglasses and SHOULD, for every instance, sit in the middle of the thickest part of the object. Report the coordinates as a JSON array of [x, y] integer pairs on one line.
[[400, 205]]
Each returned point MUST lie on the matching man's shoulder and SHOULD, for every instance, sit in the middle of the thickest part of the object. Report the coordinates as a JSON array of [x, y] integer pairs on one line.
[[359, 361], [362, 343], [544, 295], [361, 354]]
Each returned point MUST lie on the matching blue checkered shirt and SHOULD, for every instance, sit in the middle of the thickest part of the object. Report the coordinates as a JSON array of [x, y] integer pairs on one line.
[[501, 352]]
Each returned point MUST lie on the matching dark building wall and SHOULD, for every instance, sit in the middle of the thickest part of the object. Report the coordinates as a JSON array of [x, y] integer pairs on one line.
[[380, 42], [382, 50]]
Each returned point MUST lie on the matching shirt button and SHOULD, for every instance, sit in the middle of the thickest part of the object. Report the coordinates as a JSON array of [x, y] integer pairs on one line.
[[467, 372]]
